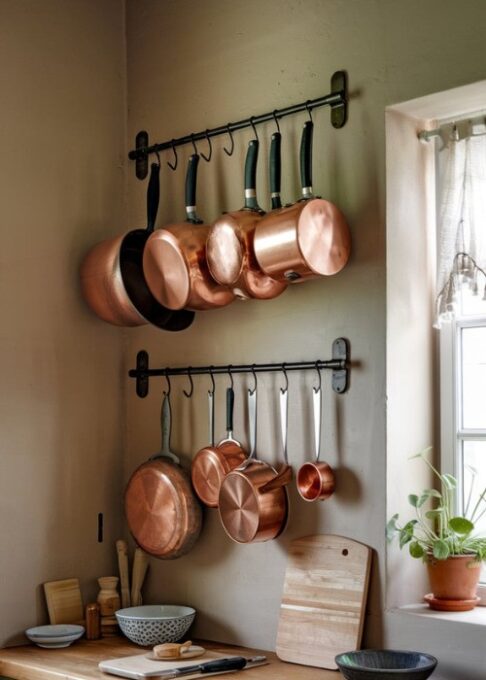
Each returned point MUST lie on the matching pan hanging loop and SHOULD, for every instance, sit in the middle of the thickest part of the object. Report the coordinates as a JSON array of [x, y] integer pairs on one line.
[[285, 389], [213, 384], [255, 380], [208, 157], [173, 166], [191, 392], [169, 387], [318, 369], [230, 152], [252, 122]]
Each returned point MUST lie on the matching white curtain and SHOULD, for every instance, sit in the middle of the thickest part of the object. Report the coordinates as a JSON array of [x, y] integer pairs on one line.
[[462, 221]]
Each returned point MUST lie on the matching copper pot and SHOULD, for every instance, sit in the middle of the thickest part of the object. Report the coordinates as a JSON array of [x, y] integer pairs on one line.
[[163, 514], [315, 480], [212, 463], [253, 500], [174, 260], [229, 248], [308, 239], [112, 279]]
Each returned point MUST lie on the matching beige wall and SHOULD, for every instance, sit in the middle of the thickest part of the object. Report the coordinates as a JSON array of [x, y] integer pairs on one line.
[[193, 65], [62, 126]]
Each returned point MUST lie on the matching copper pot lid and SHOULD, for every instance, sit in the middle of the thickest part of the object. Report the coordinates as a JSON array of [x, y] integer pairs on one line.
[[323, 237], [166, 270]]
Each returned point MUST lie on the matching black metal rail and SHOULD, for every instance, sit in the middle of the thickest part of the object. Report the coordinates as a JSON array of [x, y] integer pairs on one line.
[[337, 100], [339, 364]]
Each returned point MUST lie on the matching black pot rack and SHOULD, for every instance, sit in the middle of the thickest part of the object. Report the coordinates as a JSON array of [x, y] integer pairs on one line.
[[337, 100], [339, 365]]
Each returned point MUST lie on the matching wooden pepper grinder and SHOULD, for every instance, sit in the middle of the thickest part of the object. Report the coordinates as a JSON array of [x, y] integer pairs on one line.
[[93, 621], [109, 602]]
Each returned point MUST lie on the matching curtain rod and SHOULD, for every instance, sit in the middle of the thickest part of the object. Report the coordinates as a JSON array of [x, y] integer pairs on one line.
[[460, 125]]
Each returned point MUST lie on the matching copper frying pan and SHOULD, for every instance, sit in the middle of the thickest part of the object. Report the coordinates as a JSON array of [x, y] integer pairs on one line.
[[212, 463], [308, 239], [163, 514], [112, 279], [253, 500], [229, 247], [174, 260]]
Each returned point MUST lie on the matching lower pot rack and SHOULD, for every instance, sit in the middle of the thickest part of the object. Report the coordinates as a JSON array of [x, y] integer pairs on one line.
[[339, 365]]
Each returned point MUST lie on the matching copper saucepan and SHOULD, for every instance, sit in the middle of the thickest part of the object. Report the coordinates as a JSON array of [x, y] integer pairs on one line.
[[308, 239], [112, 279], [163, 514], [253, 500], [212, 463], [174, 259], [315, 481], [229, 248]]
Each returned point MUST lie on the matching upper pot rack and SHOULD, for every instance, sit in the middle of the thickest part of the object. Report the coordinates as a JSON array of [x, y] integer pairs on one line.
[[339, 364], [337, 100]]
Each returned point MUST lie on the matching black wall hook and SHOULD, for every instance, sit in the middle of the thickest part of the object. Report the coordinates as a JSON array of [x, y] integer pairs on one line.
[[208, 158], [174, 165], [230, 153], [191, 392]]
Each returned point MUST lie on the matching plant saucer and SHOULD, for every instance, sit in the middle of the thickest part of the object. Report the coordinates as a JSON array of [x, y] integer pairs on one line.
[[450, 605]]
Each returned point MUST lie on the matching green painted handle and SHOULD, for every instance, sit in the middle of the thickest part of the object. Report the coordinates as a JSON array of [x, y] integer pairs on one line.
[[191, 183], [306, 159], [251, 202], [275, 169], [153, 195]]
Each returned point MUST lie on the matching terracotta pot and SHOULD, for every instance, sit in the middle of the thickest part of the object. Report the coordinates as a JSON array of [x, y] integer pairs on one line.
[[455, 578]]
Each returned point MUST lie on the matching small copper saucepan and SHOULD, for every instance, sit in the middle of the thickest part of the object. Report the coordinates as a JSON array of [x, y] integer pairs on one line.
[[212, 463], [308, 239], [229, 247], [253, 500], [315, 481], [113, 282], [174, 260]]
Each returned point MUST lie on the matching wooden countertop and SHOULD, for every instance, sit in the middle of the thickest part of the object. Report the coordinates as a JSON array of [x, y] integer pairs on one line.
[[80, 662]]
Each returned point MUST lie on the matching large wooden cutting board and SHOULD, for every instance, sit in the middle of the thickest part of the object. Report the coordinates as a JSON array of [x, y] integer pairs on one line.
[[324, 599]]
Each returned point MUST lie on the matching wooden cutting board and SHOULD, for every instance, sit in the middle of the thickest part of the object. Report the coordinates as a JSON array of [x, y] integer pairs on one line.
[[64, 602], [324, 599]]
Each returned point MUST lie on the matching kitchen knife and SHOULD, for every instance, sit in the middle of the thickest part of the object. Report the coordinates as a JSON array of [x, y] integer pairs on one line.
[[235, 663]]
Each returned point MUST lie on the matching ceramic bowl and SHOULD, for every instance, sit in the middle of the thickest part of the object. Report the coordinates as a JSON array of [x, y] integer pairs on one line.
[[386, 664], [156, 623], [54, 636]]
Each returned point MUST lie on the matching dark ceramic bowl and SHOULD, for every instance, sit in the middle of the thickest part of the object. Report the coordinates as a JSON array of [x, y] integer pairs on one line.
[[386, 664]]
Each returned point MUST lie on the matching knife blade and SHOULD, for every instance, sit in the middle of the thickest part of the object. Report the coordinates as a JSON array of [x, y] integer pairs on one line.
[[234, 663]]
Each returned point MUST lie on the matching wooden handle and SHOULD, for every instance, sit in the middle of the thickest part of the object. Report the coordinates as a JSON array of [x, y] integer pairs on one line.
[[122, 550], [171, 650], [140, 564]]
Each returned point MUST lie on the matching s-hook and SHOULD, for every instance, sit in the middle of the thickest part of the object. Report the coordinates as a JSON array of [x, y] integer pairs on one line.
[[189, 375], [229, 153], [213, 384], [208, 158], [274, 113], [286, 388], [252, 123], [318, 388], [231, 376], [255, 381], [174, 165], [309, 110], [169, 387]]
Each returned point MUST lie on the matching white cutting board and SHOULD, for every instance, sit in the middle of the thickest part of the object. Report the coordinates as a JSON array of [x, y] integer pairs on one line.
[[323, 600], [140, 664]]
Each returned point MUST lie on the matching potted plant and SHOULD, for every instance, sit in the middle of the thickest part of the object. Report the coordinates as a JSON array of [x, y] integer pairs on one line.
[[445, 541]]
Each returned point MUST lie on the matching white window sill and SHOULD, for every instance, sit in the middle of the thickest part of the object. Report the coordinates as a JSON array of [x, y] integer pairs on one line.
[[476, 616]]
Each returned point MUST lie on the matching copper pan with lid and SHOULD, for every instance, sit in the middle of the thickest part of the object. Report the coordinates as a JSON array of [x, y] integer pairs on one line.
[[253, 500], [174, 259], [308, 239]]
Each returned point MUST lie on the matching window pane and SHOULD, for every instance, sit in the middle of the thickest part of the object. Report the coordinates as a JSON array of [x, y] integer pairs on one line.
[[474, 377], [474, 485]]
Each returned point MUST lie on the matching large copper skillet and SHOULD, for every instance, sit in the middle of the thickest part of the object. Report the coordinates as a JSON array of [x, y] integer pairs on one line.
[[174, 260], [163, 514], [308, 239], [253, 500], [212, 463], [229, 247], [112, 279]]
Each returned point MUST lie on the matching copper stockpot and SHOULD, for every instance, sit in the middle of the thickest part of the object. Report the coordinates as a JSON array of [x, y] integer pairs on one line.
[[315, 481], [253, 500], [308, 239], [174, 260], [229, 248], [163, 514], [212, 463], [112, 279]]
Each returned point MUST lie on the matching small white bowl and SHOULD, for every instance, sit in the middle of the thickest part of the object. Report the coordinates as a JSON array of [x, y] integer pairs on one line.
[[54, 636], [156, 623]]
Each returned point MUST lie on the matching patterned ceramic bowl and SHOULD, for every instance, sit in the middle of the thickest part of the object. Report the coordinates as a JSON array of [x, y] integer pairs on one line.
[[386, 664], [155, 623]]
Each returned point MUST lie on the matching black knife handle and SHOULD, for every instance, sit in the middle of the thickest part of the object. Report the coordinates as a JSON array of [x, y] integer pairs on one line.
[[221, 665]]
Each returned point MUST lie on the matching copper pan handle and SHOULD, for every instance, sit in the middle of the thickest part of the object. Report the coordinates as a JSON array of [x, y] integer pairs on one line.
[[281, 479]]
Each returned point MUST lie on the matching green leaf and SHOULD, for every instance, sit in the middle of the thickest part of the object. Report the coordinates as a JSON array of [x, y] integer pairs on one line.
[[461, 525], [440, 550], [426, 494], [416, 549], [434, 514], [413, 500], [406, 534], [449, 481], [391, 528]]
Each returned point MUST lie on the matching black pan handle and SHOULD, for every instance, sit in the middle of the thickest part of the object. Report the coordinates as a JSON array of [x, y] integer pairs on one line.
[[230, 402], [153, 196], [251, 202], [275, 169], [191, 183], [306, 159]]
